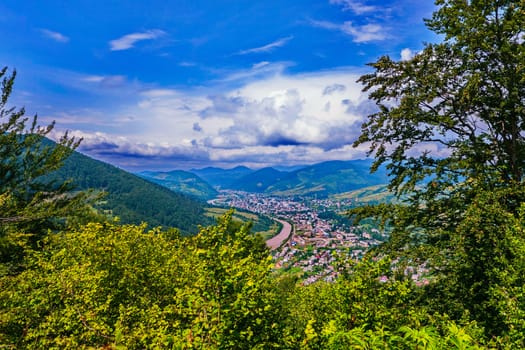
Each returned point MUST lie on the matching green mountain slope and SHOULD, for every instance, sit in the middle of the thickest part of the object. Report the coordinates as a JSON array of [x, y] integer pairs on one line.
[[132, 198], [328, 178], [368, 195], [181, 181], [221, 178], [258, 181]]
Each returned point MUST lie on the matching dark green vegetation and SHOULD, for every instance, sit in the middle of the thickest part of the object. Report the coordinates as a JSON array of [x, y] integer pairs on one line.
[[463, 214], [181, 181], [260, 224], [30, 205], [450, 277], [131, 198]]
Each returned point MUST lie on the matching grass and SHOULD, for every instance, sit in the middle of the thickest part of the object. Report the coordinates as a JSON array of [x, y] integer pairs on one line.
[[262, 225]]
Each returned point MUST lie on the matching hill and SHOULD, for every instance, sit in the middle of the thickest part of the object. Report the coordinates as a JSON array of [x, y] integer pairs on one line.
[[258, 181], [368, 195], [262, 224], [321, 179], [132, 198], [221, 178], [181, 181], [328, 178]]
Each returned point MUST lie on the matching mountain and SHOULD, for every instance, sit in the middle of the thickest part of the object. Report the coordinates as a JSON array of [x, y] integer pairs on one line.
[[258, 181], [368, 195], [290, 168], [181, 181], [221, 178], [328, 178], [321, 179], [133, 199]]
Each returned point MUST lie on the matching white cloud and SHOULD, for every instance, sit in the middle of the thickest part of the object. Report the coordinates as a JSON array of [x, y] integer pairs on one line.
[[359, 33], [275, 111], [104, 144], [106, 81], [268, 47], [56, 36], [291, 110], [260, 64], [334, 88], [406, 54], [364, 33], [326, 25], [256, 72], [259, 121], [357, 7], [128, 41]]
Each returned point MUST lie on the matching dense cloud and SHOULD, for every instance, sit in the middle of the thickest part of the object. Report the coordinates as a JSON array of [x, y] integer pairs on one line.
[[280, 118]]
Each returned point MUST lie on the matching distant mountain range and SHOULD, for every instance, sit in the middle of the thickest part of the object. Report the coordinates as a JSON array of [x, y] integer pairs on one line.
[[176, 198], [222, 178], [322, 179], [259, 181]]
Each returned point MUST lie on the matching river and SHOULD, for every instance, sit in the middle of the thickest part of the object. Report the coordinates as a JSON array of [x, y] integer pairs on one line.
[[276, 241]]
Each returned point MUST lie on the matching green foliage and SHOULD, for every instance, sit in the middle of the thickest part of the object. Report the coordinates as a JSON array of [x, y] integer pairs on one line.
[[30, 205], [462, 215], [465, 93], [132, 199], [122, 286], [111, 286], [371, 307], [181, 181]]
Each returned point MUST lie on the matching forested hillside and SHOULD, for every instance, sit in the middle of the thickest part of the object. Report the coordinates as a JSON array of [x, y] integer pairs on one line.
[[131, 198], [182, 182], [258, 181], [328, 178]]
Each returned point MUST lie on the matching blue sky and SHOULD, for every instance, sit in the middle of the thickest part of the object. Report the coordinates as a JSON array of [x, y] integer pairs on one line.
[[184, 84]]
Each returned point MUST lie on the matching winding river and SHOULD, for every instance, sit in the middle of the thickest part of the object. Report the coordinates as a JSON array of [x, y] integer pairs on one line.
[[276, 241]]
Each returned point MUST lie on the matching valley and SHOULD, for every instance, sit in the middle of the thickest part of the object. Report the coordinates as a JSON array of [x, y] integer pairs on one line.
[[298, 211], [315, 231]]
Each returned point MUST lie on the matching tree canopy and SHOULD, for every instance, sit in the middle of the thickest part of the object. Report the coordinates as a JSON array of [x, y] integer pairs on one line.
[[465, 95], [450, 128], [30, 205]]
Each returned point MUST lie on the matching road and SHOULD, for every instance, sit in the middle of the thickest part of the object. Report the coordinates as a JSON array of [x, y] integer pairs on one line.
[[276, 241]]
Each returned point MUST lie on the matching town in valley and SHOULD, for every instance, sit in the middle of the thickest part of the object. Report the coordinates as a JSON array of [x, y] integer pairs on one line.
[[317, 232]]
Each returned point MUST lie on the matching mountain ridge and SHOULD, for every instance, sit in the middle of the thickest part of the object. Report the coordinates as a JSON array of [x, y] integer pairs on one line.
[[133, 199], [181, 181], [320, 179]]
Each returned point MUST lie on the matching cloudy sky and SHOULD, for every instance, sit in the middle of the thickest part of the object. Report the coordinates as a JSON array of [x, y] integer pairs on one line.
[[181, 84]]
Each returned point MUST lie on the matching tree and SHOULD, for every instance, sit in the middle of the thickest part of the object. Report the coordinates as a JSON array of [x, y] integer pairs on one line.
[[464, 97], [113, 286], [29, 203]]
